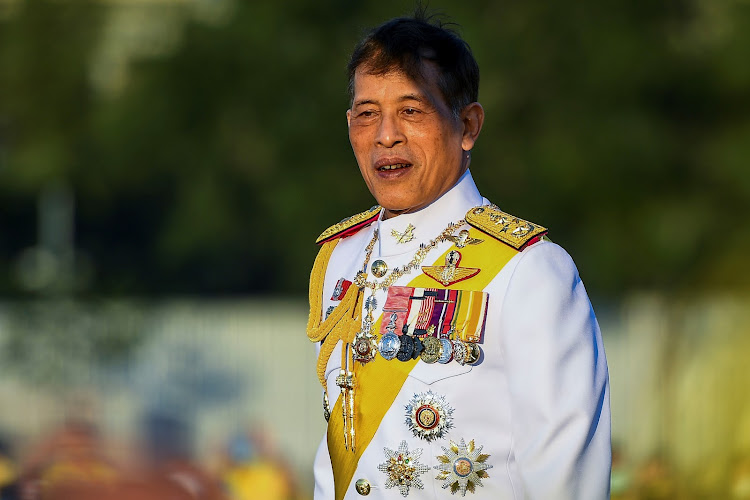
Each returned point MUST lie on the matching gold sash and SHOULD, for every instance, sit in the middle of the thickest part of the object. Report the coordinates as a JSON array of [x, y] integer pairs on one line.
[[379, 382]]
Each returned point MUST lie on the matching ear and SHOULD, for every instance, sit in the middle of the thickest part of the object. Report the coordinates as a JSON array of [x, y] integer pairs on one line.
[[472, 118], [348, 117]]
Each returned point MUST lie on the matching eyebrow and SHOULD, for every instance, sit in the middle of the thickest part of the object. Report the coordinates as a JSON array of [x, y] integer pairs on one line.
[[413, 97], [406, 97]]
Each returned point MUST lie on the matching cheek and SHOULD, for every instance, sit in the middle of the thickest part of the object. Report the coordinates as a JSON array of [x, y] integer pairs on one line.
[[357, 140]]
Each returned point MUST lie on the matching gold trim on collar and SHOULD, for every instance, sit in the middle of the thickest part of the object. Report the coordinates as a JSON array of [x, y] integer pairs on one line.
[[507, 228], [348, 223]]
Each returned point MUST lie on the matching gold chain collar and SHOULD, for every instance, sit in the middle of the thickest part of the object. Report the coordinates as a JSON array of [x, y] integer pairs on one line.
[[360, 280]]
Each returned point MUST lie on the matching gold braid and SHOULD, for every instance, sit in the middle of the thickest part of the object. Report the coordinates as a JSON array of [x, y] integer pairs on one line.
[[317, 278], [342, 324]]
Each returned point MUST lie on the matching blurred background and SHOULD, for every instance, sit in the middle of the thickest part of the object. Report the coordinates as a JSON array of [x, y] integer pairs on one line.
[[166, 165]]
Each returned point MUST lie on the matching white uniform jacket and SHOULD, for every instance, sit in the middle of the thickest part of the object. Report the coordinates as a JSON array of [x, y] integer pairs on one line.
[[538, 402]]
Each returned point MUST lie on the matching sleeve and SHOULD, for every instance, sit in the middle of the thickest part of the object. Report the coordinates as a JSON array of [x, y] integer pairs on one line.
[[558, 381]]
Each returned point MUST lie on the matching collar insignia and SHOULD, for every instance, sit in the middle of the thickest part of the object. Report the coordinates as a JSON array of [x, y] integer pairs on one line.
[[404, 237]]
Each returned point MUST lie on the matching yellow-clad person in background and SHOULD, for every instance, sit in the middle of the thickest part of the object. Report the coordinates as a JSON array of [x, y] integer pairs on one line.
[[253, 471]]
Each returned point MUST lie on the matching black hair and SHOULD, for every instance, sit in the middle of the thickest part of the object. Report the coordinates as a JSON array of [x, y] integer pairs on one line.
[[405, 43]]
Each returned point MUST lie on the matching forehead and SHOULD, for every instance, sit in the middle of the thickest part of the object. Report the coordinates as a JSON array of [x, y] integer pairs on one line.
[[395, 84]]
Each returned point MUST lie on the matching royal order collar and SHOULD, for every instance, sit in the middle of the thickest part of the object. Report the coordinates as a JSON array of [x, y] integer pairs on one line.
[[429, 221]]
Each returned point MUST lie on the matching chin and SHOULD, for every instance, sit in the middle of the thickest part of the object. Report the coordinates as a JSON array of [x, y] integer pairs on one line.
[[395, 203], [392, 205], [401, 209]]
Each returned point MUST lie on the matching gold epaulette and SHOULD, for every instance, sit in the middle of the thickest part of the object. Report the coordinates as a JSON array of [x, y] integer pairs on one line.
[[507, 228], [349, 225]]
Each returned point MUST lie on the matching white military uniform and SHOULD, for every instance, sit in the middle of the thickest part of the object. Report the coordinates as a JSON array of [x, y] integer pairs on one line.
[[538, 403]]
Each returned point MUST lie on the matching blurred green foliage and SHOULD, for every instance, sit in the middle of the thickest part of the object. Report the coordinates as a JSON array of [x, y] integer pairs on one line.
[[623, 126]]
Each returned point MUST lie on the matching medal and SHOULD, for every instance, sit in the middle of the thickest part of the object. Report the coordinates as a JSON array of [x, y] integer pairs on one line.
[[459, 351], [402, 468], [447, 352], [364, 348], [379, 268], [406, 348], [418, 348], [433, 350], [466, 353], [472, 353], [365, 345], [462, 467], [389, 346], [428, 416]]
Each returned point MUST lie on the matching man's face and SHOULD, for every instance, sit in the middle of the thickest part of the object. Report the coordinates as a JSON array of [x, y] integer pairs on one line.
[[407, 143]]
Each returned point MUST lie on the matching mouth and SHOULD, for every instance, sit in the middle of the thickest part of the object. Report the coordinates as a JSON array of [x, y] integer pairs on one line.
[[395, 166], [390, 165]]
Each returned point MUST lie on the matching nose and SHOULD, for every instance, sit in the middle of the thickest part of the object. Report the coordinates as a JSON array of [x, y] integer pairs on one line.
[[389, 132]]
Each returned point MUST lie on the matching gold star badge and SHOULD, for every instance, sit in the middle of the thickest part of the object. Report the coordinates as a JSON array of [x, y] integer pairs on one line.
[[462, 467]]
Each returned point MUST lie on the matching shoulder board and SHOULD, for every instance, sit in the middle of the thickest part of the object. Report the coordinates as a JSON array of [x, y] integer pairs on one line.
[[507, 228], [350, 225]]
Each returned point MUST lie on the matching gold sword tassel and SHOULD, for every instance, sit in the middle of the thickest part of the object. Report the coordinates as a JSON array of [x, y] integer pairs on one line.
[[346, 383], [341, 382], [350, 387]]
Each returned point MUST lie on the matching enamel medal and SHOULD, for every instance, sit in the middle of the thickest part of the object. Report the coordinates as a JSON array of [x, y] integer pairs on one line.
[[429, 416], [403, 469], [365, 345], [462, 467]]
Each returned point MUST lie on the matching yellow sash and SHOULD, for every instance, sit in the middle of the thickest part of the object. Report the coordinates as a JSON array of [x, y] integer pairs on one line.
[[379, 381]]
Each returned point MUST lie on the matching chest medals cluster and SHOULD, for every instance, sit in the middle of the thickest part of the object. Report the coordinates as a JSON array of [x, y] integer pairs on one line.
[[434, 325], [429, 345], [407, 338]]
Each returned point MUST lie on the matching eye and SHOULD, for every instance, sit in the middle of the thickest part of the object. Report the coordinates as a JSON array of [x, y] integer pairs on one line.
[[411, 111]]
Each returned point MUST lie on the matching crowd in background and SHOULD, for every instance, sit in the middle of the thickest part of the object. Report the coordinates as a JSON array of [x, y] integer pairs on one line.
[[76, 462]]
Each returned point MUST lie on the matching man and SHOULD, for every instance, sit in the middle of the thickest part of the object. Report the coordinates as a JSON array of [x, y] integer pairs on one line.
[[458, 350]]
